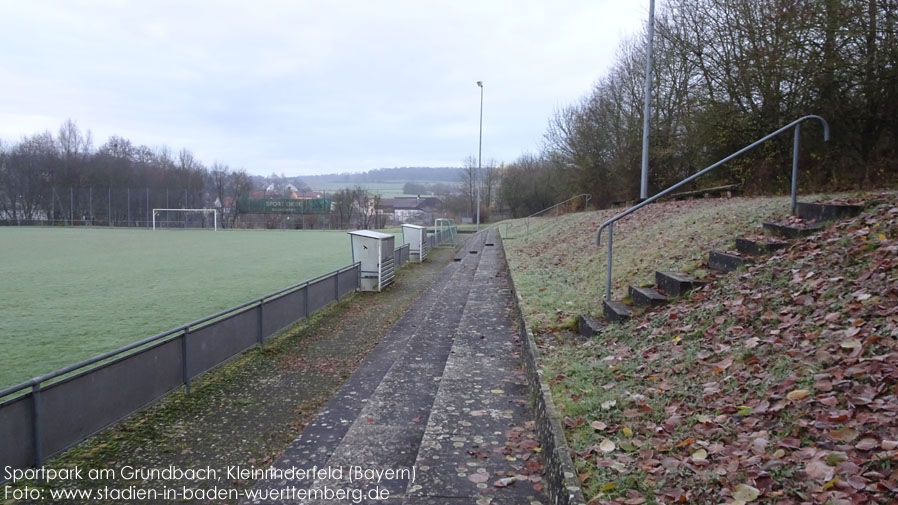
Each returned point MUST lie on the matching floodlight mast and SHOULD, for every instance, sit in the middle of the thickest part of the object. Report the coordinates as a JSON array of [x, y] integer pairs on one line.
[[647, 106], [479, 153]]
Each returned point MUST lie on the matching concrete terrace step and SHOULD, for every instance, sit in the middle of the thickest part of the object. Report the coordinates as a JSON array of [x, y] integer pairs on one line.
[[793, 231], [454, 347], [646, 297], [676, 283], [588, 326], [758, 247], [724, 262], [827, 211], [482, 400], [615, 312]]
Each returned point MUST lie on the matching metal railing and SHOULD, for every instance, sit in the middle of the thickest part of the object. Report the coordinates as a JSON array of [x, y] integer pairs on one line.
[[794, 124], [585, 207], [50, 413]]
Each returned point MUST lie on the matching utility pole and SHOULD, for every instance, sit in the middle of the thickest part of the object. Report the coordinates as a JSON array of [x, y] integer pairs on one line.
[[647, 109]]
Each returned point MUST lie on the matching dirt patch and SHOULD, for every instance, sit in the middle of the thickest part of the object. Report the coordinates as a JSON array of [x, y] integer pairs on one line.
[[246, 412]]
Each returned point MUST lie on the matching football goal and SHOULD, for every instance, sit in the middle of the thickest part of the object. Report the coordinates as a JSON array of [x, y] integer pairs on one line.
[[446, 231], [185, 218]]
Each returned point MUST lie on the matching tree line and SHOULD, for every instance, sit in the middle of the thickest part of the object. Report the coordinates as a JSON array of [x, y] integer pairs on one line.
[[726, 73], [63, 177]]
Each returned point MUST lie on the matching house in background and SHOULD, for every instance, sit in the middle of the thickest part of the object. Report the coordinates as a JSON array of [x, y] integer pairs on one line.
[[415, 209]]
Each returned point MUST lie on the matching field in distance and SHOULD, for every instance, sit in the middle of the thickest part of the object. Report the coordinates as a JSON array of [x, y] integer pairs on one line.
[[72, 293], [388, 189]]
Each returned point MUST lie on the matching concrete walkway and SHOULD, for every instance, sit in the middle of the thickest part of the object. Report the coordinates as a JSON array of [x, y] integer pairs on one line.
[[438, 413]]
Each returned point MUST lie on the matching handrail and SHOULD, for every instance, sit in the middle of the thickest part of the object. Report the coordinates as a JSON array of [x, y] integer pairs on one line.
[[797, 124], [585, 206]]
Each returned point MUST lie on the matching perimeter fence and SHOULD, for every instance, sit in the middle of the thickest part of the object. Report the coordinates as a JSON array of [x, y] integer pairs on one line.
[[45, 416]]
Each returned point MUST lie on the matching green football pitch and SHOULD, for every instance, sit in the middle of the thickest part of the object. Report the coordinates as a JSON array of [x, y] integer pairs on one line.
[[67, 294]]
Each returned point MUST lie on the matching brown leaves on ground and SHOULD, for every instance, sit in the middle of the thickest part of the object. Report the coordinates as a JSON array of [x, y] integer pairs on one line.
[[776, 386]]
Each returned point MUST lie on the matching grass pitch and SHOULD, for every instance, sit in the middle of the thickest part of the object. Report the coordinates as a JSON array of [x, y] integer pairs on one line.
[[68, 294]]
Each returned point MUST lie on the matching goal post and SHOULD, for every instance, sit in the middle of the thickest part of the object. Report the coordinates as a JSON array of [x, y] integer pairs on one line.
[[204, 212], [446, 231]]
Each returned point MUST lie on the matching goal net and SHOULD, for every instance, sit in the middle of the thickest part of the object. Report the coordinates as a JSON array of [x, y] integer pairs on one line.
[[185, 219], [446, 231]]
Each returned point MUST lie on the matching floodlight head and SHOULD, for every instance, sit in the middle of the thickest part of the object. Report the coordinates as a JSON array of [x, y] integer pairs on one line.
[[480, 83]]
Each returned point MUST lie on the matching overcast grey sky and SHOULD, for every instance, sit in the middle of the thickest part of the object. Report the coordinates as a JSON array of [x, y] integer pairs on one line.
[[306, 87]]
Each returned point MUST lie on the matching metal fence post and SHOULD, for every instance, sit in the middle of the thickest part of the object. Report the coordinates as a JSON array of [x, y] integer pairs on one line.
[[184, 364], [610, 245], [261, 318], [36, 424], [336, 285], [305, 300], [795, 170]]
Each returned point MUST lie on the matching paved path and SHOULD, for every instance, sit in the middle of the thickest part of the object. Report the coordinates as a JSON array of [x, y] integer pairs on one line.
[[440, 408]]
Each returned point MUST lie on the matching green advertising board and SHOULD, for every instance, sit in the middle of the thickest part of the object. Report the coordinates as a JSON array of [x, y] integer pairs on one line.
[[283, 206]]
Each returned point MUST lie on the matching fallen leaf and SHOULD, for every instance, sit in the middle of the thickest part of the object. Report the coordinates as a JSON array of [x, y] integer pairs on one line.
[[700, 455], [745, 493], [598, 425], [496, 391], [627, 432], [607, 445], [798, 394], [507, 481], [843, 434], [819, 470], [479, 477], [851, 343], [607, 405]]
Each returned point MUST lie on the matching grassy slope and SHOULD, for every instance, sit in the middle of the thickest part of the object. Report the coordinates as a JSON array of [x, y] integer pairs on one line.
[[559, 261], [69, 294], [776, 385]]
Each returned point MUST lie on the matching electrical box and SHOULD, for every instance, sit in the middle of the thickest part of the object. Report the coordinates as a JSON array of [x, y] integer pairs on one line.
[[418, 241], [374, 250]]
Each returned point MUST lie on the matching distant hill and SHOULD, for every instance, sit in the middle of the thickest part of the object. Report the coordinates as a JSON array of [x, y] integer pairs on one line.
[[388, 182], [398, 174]]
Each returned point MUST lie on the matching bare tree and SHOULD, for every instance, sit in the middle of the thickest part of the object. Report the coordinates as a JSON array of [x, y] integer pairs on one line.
[[242, 185], [489, 179], [366, 207], [221, 179], [468, 183], [344, 207]]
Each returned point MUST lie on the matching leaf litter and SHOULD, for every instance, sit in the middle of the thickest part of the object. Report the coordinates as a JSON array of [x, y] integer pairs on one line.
[[776, 384]]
